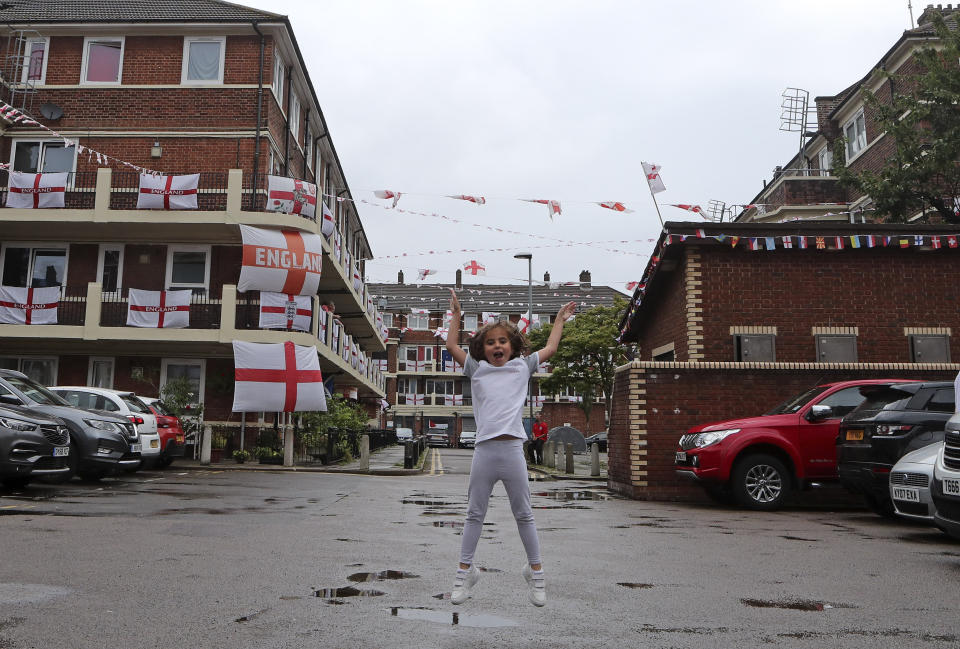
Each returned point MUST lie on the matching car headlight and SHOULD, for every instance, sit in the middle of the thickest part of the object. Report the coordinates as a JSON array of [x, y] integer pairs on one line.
[[101, 424], [713, 436], [18, 425]]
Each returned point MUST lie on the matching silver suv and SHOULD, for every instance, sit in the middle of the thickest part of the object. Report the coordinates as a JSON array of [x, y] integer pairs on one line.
[[945, 489]]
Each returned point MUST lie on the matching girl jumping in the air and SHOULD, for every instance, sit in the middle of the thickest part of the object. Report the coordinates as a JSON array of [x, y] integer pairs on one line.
[[498, 382]]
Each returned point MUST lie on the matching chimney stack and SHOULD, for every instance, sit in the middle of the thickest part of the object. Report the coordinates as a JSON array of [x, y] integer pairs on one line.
[[546, 276], [400, 277], [585, 279], [459, 279]]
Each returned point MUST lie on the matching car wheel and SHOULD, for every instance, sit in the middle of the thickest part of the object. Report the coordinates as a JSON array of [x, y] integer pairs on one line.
[[164, 461], [760, 482], [880, 506], [17, 482]]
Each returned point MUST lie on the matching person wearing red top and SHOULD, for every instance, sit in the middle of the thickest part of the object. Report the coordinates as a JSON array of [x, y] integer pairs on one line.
[[540, 432]]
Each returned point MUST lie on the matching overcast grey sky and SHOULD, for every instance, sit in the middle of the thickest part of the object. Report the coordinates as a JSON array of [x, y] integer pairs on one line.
[[563, 100]]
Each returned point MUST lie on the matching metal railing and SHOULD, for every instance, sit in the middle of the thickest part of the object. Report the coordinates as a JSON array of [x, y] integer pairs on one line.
[[80, 193], [254, 195], [72, 309], [211, 190], [204, 309]]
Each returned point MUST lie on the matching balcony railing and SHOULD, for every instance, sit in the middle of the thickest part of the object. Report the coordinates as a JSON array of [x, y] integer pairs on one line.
[[204, 310], [72, 309], [80, 194], [211, 190]]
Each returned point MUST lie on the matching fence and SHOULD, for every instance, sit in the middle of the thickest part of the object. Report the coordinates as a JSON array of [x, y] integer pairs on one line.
[[211, 190], [80, 194], [204, 309]]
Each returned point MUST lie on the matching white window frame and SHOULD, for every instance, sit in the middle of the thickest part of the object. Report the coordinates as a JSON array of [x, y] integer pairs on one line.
[[859, 140], [187, 40], [28, 44], [96, 359], [294, 118], [43, 142], [206, 249], [84, 60], [33, 245], [54, 359], [476, 322], [387, 319], [279, 70], [104, 247], [308, 149], [825, 160], [415, 319], [202, 362]]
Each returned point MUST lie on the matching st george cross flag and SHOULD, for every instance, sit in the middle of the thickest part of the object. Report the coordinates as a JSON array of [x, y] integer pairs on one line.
[[291, 196], [159, 309], [29, 305], [489, 317], [282, 261], [423, 272], [652, 172], [632, 285], [36, 191], [277, 377], [553, 207], [696, 209], [615, 206], [282, 311], [479, 200], [168, 192], [357, 280], [787, 242], [328, 225], [386, 193], [474, 267]]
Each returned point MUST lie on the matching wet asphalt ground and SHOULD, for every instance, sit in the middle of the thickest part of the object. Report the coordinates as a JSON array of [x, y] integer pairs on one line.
[[212, 558]]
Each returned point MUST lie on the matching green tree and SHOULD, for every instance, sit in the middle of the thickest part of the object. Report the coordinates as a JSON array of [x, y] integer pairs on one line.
[[178, 396], [923, 119], [588, 355]]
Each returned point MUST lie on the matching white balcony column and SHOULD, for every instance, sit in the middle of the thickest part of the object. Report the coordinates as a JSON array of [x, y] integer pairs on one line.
[[101, 199], [92, 310], [228, 313], [234, 191]]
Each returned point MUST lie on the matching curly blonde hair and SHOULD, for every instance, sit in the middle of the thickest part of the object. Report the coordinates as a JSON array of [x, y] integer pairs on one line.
[[518, 343]]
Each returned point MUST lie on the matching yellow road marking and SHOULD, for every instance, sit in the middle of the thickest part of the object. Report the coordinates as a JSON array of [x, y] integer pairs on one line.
[[436, 463]]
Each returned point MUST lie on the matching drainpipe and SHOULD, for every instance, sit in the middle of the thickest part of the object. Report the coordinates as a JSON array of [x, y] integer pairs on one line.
[[286, 132], [256, 145], [306, 128]]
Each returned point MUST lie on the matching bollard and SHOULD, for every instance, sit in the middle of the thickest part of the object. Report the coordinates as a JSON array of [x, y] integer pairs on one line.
[[558, 455], [569, 468], [205, 445], [288, 440], [595, 459], [548, 458], [365, 453], [407, 452]]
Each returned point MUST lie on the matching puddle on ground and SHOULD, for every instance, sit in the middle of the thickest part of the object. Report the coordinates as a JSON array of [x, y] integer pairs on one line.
[[454, 618], [383, 575], [290, 597], [691, 630], [798, 538], [17, 593], [795, 605], [441, 596], [349, 540], [482, 569], [345, 591], [441, 513], [428, 503], [567, 495], [454, 524], [630, 584]]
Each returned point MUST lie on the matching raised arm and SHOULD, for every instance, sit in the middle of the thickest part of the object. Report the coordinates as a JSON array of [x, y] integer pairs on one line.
[[554, 340], [453, 332]]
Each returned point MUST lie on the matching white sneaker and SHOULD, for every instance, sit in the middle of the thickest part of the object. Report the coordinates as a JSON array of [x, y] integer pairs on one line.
[[537, 584], [464, 581]]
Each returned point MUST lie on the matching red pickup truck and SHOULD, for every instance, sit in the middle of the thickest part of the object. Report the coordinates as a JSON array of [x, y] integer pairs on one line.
[[757, 461]]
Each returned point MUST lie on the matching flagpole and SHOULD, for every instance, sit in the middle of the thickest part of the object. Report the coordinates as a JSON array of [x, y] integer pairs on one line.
[[653, 196]]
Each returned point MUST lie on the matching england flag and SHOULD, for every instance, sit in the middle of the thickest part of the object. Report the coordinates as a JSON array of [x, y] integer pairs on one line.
[[329, 224], [277, 377], [159, 309], [285, 261], [284, 311], [29, 305], [291, 196], [168, 192], [36, 191]]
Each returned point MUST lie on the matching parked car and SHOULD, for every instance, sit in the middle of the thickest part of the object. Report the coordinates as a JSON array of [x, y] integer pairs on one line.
[[468, 439], [172, 437], [31, 446], [100, 442], [945, 489], [757, 461], [599, 439], [892, 421], [437, 437], [404, 434], [910, 483], [120, 402]]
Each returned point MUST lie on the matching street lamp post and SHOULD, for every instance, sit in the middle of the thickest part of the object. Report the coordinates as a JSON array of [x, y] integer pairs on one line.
[[529, 257]]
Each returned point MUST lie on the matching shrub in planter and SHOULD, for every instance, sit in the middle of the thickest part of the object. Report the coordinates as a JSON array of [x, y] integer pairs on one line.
[[241, 456]]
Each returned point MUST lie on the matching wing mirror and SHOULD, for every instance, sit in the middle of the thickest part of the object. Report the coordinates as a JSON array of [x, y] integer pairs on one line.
[[819, 412], [10, 399]]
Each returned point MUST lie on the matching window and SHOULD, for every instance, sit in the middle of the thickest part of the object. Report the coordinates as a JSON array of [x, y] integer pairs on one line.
[[88, 400], [855, 132], [203, 59], [836, 349], [470, 321], [41, 370], [929, 348], [754, 347], [110, 269], [102, 60], [38, 267], [942, 401], [100, 372], [279, 70], [415, 358], [294, 118], [439, 386], [42, 156], [387, 319], [308, 147], [418, 320], [406, 385], [191, 369], [825, 161], [188, 267], [843, 401], [35, 60]]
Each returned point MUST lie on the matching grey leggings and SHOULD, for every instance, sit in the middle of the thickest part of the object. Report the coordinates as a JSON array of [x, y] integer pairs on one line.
[[500, 459]]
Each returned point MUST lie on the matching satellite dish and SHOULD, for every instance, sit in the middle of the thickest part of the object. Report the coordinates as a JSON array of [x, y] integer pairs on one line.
[[51, 111]]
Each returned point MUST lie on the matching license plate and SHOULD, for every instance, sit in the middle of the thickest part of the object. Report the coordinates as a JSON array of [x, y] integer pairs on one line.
[[951, 486], [136, 448], [681, 457], [179, 439], [61, 451], [855, 435], [909, 494], [154, 443]]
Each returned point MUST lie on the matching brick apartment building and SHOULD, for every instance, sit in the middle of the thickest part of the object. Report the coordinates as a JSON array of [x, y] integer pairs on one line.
[[805, 186], [177, 87], [423, 384]]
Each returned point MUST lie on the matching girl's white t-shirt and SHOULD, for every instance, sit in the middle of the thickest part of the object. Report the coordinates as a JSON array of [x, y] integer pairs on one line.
[[498, 395]]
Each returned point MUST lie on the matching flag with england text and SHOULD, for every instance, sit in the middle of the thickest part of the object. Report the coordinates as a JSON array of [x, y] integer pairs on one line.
[[168, 192], [159, 309], [291, 196], [654, 181], [20, 305], [285, 311], [280, 261], [277, 377], [36, 191]]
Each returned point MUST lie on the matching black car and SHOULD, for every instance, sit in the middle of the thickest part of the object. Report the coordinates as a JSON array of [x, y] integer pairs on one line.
[[31, 446], [597, 438], [892, 421], [100, 442]]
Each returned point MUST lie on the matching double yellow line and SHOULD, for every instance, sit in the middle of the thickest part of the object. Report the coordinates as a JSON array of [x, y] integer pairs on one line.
[[436, 463]]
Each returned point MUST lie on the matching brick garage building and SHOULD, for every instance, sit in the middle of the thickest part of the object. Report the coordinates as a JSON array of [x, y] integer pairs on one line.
[[730, 323]]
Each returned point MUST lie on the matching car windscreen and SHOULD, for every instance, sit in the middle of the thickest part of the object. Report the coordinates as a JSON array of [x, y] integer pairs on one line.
[[35, 392], [135, 404], [162, 409], [885, 398], [794, 404]]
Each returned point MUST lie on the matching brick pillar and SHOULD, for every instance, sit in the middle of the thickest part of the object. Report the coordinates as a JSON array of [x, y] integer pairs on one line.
[[627, 440]]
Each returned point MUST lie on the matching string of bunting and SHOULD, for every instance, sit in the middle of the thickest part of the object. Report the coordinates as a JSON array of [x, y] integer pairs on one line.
[[555, 245]]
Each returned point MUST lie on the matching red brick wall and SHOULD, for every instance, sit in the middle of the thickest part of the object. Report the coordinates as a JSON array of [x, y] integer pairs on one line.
[[558, 414], [144, 266], [72, 370], [679, 397], [668, 322], [83, 264]]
